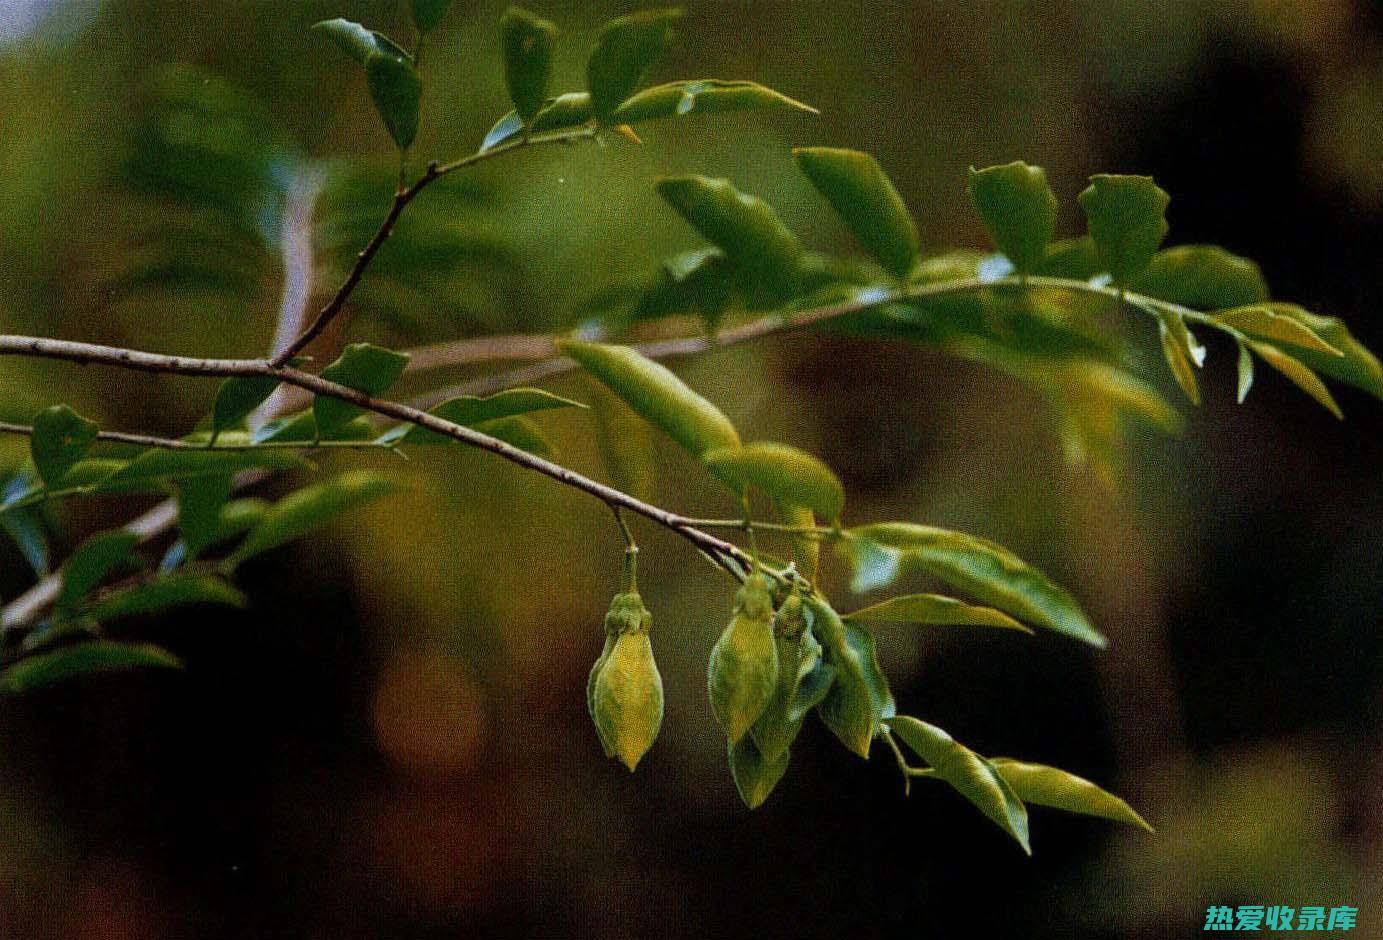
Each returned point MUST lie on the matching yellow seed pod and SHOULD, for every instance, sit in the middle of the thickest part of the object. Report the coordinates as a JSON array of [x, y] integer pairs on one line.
[[627, 695], [626, 615], [743, 668]]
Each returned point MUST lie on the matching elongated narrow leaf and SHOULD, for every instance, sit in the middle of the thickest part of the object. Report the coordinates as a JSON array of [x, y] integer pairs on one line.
[[25, 529], [656, 394], [92, 562], [624, 51], [1204, 277], [971, 775], [989, 572], [1127, 216], [1358, 366], [1180, 349], [83, 659], [1047, 786], [200, 502], [309, 507], [626, 443], [518, 432], [744, 227], [163, 464], [754, 776], [858, 700], [365, 368], [1018, 208], [934, 609], [470, 410], [1300, 375], [237, 398], [1245, 373], [564, 112], [393, 81], [527, 40], [1262, 322], [781, 472], [176, 590], [1074, 258], [863, 195], [701, 96], [428, 13], [61, 437]]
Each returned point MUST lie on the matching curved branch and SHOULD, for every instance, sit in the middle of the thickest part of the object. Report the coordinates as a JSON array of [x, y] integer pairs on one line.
[[402, 197]]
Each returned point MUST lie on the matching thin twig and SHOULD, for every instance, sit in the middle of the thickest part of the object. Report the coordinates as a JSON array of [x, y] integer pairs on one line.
[[403, 196]]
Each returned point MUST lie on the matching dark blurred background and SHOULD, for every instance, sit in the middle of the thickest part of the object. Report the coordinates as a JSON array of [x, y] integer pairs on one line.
[[393, 742]]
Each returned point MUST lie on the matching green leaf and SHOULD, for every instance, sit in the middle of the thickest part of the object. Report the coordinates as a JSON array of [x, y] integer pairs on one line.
[[356, 41], [393, 81], [781, 472], [1300, 375], [92, 562], [237, 399], [527, 40], [858, 701], [743, 226], [971, 775], [1245, 373], [518, 432], [656, 394], [754, 776], [934, 609], [1127, 216], [863, 195], [200, 502], [176, 590], [470, 410], [397, 92], [1047, 786], [1204, 277], [164, 464], [564, 112], [83, 659], [1357, 366], [1074, 258], [61, 437], [365, 368], [979, 567], [1181, 350], [24, 525], [1018, 209], [428, 13], [301, 511], [701, 96], [1262, 322], [624, 51]]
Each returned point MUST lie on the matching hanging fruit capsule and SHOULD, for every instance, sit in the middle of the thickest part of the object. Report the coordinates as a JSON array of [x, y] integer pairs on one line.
[[798, 654], [755, 775], [626, 691], [743, 667]]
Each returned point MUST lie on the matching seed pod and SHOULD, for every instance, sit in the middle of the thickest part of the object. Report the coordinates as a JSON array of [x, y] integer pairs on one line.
[[627, 697], [590, 691], [755, 776], [626, 614], [798, 655], [743, 667]]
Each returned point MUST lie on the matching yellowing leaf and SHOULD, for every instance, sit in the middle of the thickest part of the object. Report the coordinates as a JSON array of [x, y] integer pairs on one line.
[[782, 472]]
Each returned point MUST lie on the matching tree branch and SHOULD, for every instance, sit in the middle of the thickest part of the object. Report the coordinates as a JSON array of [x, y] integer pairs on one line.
[[402, 198]]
